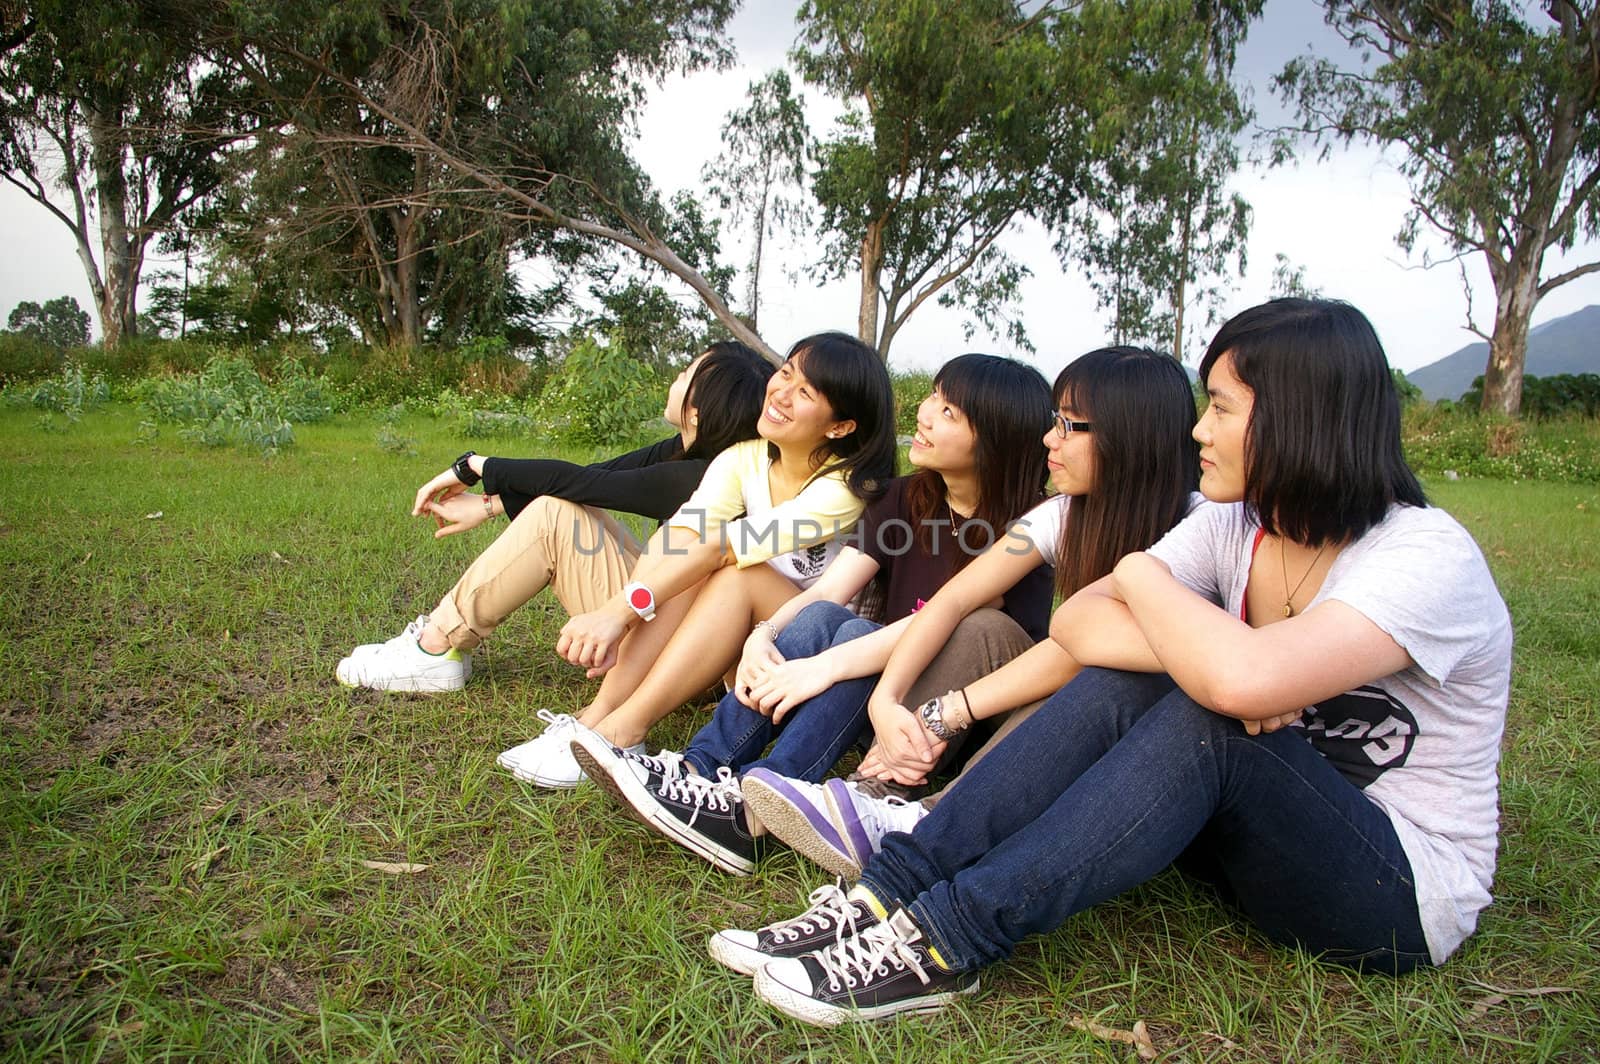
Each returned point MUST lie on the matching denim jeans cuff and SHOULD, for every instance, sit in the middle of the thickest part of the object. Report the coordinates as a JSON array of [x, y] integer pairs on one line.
[[937, 940]]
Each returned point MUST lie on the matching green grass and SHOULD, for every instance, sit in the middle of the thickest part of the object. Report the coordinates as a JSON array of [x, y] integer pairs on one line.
[[187, 796]]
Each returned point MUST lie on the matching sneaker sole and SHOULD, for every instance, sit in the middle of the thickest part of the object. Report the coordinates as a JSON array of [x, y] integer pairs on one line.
[[807, 1009], [742, 959], [600, 774], [642, 806], [790, 818]]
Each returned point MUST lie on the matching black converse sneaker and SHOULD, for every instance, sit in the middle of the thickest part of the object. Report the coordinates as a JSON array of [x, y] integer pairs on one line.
[[703, 815], [629, 776], [833, 915], [885, 970]]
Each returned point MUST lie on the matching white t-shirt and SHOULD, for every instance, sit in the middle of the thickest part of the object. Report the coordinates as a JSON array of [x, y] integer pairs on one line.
[[1041, 526], [1423, 744], [798, 538]]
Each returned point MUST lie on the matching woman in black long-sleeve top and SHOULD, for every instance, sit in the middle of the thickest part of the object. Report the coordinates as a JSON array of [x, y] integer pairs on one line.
[[560, 534]]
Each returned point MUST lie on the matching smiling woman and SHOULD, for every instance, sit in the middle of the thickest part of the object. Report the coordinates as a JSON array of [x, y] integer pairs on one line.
[[761, 526], [1365, 832]]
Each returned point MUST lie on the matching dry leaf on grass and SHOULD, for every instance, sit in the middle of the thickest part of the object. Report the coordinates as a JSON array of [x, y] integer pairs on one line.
[[1482, 1006], [1138, 1038], [395, 868], [1227, 1043], [199, 865], [154, 515]]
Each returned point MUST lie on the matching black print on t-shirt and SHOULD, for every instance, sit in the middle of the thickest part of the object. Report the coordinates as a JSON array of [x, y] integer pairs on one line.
[[1364, 733], [808, 562]]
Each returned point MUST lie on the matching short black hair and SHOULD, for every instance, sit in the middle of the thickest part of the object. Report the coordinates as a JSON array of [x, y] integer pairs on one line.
[[726, 391], [1323, 461], [851, 376]]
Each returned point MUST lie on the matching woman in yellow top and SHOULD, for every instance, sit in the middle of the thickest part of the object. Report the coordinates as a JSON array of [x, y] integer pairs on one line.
[[763, 524]]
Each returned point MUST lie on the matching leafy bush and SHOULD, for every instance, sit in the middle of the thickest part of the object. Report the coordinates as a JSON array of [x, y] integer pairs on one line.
[[390, 439], [26, 358], [601, 394], [1438, 438], [229, 403], [910, 389]]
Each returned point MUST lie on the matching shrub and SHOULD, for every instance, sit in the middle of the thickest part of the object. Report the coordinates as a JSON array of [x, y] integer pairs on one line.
[[601, 394], [229, 403], [910, 389], [1439, 437]]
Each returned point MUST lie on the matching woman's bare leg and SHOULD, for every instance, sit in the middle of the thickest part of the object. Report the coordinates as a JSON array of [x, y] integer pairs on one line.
[[702, 647], [637, 653]]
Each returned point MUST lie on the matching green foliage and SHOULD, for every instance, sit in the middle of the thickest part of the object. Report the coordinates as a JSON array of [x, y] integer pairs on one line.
[[60, 322], [910, 389], [1438, 439], [69, 393], [390, 438], [1409, 393], [228, 403], [602, 394], [759, 176], [1560, 395], [26, 358], [1157, 230]]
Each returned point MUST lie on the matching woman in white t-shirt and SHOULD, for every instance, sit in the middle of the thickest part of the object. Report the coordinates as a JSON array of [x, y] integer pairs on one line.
[[1299, 695], [764, 522]]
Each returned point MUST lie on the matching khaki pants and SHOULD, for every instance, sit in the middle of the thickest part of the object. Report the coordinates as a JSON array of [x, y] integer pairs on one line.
[[584, 553]]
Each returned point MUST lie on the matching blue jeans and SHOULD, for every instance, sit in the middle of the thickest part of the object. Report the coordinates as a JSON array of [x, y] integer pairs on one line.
[[1113, 779], [814, 734]]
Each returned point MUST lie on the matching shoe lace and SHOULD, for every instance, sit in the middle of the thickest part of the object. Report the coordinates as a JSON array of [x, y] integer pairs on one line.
[[667, 764], [555, 720], [828, 906], [702, 792], [880, 815], [853, 961]]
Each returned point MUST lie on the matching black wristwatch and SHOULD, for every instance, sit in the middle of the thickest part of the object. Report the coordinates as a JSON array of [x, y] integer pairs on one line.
[[463, 471]]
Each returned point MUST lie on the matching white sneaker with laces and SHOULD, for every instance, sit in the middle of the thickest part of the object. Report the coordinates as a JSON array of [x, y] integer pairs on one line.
[[402, 665], [862, 820], [546, 760]]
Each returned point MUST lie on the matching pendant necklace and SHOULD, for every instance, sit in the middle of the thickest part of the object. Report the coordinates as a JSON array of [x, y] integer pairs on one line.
[[1283, 563]]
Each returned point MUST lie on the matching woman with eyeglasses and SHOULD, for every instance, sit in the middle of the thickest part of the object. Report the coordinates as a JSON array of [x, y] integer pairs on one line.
[[1297, 696], [1121, 456]]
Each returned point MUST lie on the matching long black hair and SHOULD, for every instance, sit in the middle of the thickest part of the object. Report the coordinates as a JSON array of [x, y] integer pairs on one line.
[[1007, 405], [1146, 460], [852, 378], [726, 393], [1323, 462]]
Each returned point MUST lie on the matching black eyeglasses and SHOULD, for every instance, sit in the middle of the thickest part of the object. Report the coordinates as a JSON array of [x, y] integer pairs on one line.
[[1063, 426]]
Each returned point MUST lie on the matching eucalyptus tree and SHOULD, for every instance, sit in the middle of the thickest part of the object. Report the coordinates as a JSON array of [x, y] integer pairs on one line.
[[1157, 225], [510, 111], [109, 122], [760, 175], [1495, 107], [954, 112]]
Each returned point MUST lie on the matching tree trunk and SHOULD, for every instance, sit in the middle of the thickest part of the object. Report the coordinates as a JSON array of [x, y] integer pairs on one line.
[[407, 289], [1516, 294], [121, 249], [871, 284]]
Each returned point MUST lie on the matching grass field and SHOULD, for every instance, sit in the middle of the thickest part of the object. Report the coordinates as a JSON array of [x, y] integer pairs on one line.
[[187, 800]]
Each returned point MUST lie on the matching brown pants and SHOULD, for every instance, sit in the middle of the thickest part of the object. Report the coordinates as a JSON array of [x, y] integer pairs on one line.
[[584, 553], [984, 640]]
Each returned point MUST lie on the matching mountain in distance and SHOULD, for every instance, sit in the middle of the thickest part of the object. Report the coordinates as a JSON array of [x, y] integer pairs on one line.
[[1566, 345]]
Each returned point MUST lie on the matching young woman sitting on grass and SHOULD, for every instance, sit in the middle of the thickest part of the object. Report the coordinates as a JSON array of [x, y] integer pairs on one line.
[[762, 526], [1298, 694], [1122, 457], [806, 670], [560, 533]]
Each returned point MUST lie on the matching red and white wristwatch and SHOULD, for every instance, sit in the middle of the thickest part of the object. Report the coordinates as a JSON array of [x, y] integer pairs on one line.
[[640, 600]]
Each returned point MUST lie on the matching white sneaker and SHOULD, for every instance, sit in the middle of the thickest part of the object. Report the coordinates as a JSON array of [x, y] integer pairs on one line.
[[412, 634], [546, 760], [862, 820], [402, 665]]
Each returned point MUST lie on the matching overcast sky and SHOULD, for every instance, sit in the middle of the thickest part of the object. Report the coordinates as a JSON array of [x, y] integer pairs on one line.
[[1336, 218]]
